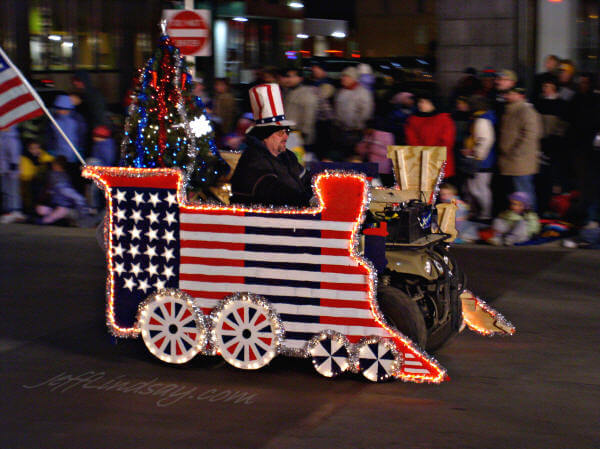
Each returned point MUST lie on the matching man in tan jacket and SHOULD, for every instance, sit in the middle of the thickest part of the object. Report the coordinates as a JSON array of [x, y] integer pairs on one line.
[[519, 143]]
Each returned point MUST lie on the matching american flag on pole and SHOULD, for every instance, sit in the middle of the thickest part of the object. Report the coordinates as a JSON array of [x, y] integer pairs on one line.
[[17, 104]]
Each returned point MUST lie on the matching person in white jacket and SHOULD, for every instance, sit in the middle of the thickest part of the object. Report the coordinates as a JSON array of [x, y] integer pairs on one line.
[[481, 153]]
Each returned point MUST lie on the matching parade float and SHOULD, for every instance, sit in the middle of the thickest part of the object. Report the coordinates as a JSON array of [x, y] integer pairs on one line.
[[363, 282]]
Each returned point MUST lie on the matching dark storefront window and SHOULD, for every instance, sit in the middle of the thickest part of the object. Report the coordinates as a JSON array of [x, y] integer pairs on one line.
[[70, 34], [588, 36]]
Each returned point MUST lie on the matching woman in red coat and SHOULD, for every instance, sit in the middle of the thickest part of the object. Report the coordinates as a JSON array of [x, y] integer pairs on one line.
[[428, 127]]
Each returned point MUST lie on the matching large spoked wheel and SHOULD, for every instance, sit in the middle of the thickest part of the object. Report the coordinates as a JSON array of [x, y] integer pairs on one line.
[[246, 332], [172, 328], [378, 359], [329, 353]]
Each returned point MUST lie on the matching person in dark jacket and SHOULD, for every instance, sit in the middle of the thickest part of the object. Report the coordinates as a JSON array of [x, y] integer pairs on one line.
[[268, 173]]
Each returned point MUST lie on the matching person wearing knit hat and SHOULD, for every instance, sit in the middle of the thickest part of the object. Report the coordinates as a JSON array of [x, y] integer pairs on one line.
[[430, 127], [267, 172], [73, 126], [517, 224], [353, 106]]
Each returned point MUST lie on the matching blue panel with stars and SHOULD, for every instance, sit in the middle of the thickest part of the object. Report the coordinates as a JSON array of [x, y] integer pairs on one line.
[[145, 245]]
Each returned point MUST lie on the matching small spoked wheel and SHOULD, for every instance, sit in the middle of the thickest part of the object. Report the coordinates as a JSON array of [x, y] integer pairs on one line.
[[172, 328], [246, 332], [378, 359], [329, 353]]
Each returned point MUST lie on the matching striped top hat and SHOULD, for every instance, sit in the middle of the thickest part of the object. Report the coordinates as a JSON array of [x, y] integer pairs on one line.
[[267, 106]]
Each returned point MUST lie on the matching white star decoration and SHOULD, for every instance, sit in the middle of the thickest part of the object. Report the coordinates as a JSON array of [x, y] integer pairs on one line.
[[152, 234], [143, 285], [118, 250], [154, 199], [118, 232], [135, 233], [152, 270], [129, 283], [170, 218], [150, 252], [119, 268], [153, 217], [171, 199], [168, 254], [200, 126], [168, 272], [133, 250], [135, 269], [136, 215], [138, 198], [168, 236], [120, 196], [159, 283], [120, 214]]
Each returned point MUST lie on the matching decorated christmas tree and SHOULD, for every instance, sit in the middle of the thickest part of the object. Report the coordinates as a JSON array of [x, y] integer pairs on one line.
[[167, 125]]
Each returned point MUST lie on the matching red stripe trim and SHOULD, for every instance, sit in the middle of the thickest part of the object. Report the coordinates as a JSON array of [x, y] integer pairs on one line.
[[258, 105], [340, 303], [366, 322], [271, 102], [207, 294], [189, 210], [196, 227], [211, 245], [158, 181], [29, 116], [212, 261], [9, 84], [15, 103], [346, 235], [211, 278], [206, 310], [335, 252], [344, 269], [346, 287]]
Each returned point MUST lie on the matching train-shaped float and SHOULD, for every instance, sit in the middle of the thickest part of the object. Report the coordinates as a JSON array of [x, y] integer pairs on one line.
[[251, 283]]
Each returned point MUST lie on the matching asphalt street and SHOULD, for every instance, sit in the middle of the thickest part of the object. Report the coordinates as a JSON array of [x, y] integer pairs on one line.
[[65, 383]]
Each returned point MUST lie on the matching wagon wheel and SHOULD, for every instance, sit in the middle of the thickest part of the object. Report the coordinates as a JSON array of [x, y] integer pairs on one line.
[[246, 332], [378, 359], [172, 328], [329, 353]]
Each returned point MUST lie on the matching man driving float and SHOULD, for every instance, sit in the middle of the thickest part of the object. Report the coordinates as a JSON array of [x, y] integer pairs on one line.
[[268, 173]]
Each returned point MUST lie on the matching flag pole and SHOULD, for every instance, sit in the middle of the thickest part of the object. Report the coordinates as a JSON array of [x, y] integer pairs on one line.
[[42, 105]]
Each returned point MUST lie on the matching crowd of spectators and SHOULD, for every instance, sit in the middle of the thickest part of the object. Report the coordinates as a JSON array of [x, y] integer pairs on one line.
[[513, 156], [40, 173], [505, 145]]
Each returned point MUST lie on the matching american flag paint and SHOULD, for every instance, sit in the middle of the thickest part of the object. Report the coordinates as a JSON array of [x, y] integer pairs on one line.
[[301, 262]]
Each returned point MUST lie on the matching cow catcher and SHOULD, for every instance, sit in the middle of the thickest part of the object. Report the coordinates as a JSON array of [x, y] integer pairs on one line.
[[252, 283]]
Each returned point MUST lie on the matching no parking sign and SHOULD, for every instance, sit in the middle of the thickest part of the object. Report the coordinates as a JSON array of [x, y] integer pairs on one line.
[[189, 30]]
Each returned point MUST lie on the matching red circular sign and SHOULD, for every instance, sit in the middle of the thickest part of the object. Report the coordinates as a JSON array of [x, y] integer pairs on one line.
[[188, 31]]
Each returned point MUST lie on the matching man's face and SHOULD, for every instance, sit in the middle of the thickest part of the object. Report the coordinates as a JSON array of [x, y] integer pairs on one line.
[[275, 143], [548, 89], [292, 79], [513, 97], [551, 64], [347, 81], [318, 72], [503, 84]]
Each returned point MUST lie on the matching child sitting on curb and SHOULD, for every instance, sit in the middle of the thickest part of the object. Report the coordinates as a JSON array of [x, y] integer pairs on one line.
[[63, 202], [517, 224]]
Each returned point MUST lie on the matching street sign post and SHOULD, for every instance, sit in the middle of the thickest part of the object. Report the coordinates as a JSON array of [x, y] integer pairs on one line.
[[190, 30]]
